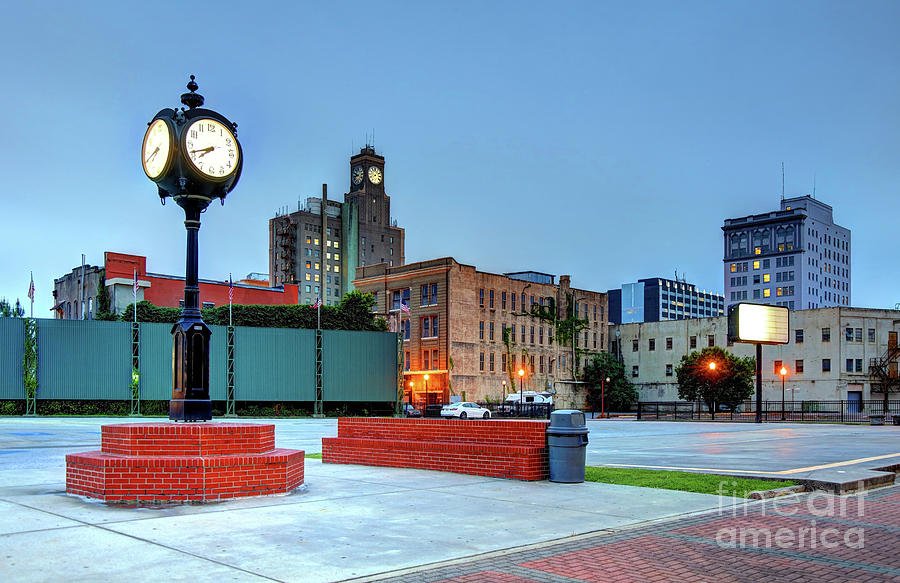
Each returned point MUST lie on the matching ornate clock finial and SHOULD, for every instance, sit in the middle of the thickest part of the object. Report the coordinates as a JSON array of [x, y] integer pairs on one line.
[[192, 99]]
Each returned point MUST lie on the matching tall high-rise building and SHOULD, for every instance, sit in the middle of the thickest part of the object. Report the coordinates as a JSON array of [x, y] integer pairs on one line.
[[796, 257], [320, 251]]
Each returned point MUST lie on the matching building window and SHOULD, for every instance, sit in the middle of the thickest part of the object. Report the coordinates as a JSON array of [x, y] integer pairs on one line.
[[491, 362], [512, 298], [711, 340], [541, 335], [849, 365], [767, 293], [503, 300], [523, 334], [798, 336], [859, 365], [668, 370], [826, 334], [481, 330], [542, 364], [404, 328], [406, 362], [766, 278], [798, 366], [634, 345], [756, 264], [398, 296], [502, 362], [634, 371], [491, 299], [426, 359], [858, 335], [826, 365], [481, 297], [668, 343], [871, 334], [491, 332], [429, 294], [693, 342], [777, 367], [651, 344], [532, 334], [430, 327]]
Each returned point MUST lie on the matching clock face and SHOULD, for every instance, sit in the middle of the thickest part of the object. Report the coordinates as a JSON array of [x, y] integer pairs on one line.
[[358, 174], [211, 148], [374, 175], [157, 148]]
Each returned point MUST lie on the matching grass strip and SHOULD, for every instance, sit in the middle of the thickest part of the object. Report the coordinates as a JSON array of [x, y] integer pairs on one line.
[[682, 481], [313, 456]]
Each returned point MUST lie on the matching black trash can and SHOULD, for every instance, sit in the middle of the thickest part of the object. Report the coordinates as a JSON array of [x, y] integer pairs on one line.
[[567, 440]]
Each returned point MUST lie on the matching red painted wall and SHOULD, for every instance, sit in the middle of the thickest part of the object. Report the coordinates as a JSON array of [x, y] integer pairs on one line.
[[168, 290]]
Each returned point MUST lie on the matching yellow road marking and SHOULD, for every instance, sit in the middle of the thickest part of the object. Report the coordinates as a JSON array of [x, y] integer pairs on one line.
[[776, 472], [839, 464]]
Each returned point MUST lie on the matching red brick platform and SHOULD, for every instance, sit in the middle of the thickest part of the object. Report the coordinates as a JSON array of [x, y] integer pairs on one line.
[[184, 462], [496, 448]]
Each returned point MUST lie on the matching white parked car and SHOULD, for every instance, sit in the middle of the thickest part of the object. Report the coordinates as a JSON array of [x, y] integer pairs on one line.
[[465, 410]]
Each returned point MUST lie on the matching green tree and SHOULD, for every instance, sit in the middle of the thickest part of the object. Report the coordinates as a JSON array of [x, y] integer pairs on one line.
[[617, 394], [728, 383], [9, 311], [103, 304]]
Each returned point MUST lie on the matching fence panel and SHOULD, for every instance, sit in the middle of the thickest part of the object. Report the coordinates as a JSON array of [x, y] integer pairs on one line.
[[156, 361], [12, 351], [359, 366], [83, 359], [804, 411], [274, 364]]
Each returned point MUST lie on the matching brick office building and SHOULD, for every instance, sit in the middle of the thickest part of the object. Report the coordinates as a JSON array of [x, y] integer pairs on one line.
[[454, 330]]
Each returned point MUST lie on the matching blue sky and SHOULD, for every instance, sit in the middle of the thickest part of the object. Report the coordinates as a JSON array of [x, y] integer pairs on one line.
[[603, 140]]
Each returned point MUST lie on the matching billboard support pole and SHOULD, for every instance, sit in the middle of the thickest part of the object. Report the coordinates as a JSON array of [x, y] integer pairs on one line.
[[759, 383]]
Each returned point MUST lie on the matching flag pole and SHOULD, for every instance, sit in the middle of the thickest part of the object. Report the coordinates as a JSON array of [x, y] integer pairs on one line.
[[31, 294], [230, 294], [134, 293]]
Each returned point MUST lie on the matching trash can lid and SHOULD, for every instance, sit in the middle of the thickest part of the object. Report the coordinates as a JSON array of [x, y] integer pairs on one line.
[[567, 418]]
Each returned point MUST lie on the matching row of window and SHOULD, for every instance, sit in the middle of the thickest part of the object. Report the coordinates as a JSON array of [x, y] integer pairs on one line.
[[428, 327], [430, 360], [582, 310], [545, 364], [651, 342], [853, 365], [428, 296], [328, 243]]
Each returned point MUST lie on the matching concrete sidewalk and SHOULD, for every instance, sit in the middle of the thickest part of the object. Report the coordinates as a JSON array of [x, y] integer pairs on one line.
[[347, 521]]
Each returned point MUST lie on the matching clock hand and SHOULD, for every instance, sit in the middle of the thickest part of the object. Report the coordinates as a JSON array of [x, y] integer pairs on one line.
[[150, 157], [204, 151]]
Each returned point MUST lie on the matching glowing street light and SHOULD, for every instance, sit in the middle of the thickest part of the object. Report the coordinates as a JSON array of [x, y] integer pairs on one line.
[[521, 385], [783, 372], [603, 397], [712, 365]]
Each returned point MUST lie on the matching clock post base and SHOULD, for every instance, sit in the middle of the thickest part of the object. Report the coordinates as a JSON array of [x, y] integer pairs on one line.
[[190, 410]]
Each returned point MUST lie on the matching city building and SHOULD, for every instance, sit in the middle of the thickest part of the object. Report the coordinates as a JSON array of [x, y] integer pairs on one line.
[[320, 252], [458, 317], [74, 302], [796, 257], [655, 298], [829, 355]]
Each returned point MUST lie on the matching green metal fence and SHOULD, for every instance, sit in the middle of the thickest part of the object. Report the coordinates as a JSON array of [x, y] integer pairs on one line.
[[93, 360], [83, 359], [12, 351], [359, 366]]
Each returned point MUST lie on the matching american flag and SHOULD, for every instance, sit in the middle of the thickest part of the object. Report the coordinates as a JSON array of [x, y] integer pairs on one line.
[[317, 304], [31, 288], [404, 308], [230, 289]]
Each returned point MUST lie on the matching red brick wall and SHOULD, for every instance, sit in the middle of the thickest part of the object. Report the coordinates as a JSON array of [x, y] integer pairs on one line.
[[168, 462], [504, 449]]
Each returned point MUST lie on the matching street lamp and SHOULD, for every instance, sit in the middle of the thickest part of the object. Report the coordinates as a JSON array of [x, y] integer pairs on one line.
[[426, 388], [503, 390], [411, 385], [603, 397], [783, 373]]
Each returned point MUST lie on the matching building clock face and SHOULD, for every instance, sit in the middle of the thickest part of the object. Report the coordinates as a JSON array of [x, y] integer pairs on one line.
[[358, 175], [374, 175], [157, 148], [211, 148]]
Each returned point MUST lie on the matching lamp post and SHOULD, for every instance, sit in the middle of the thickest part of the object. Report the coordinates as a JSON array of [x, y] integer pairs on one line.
[[521, 389], [603, 396], [712, 370], [502, 391], [411, 385], [783, 373], [426, 388]]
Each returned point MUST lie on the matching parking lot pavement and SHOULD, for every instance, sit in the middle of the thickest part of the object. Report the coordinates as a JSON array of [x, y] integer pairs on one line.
[[803, 538]]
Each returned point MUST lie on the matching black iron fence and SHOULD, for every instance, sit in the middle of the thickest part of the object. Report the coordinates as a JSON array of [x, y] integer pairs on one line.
[[498, 410], [855, 411]]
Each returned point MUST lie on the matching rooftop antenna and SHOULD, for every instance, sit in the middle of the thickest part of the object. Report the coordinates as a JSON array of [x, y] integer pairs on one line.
[[782, 182]]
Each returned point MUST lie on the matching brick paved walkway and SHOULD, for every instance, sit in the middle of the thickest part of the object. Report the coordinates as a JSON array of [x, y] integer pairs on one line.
[[815, 537]]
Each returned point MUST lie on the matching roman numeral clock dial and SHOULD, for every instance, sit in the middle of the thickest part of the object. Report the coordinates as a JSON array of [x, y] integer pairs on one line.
[[210, 147]]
